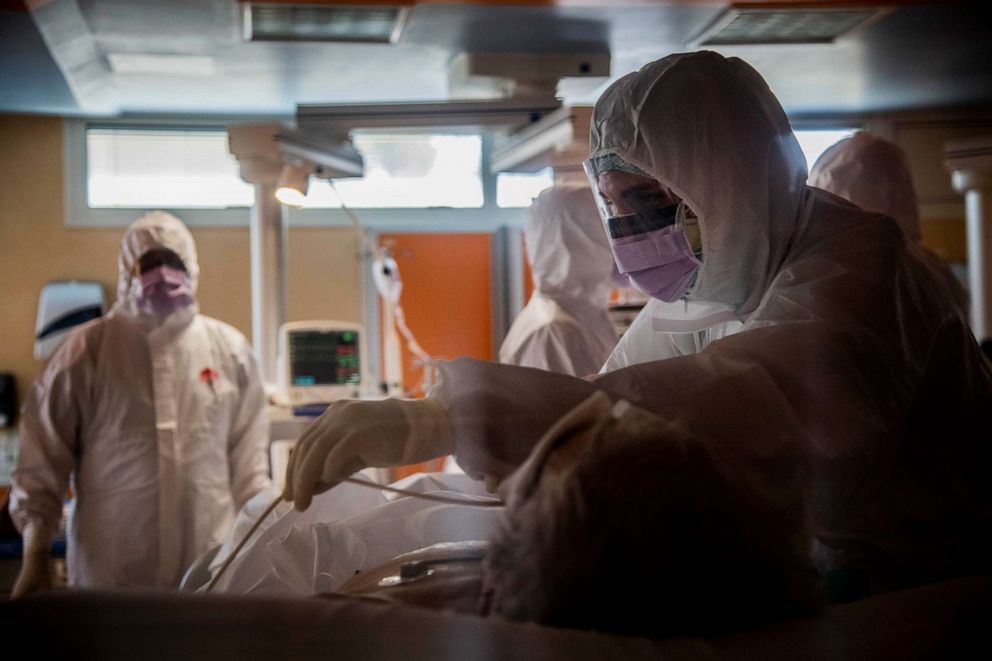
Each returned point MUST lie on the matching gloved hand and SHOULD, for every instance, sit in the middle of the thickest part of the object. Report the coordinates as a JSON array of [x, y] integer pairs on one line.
[[498, 413], [35, 574], [355, 434]]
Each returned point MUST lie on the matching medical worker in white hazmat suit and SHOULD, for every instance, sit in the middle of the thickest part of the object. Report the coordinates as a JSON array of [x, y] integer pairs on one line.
[[157, 414], [873, 173], [564, 327], [852, 388]]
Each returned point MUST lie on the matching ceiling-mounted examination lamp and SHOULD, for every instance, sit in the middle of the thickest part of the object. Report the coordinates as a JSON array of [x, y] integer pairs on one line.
[[294, 180], [330, 154], [558, 139]]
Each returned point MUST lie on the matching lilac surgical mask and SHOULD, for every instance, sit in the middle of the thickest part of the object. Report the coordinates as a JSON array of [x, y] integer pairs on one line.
[[164, 290], [653, 252], [618, 279], [649, 244]]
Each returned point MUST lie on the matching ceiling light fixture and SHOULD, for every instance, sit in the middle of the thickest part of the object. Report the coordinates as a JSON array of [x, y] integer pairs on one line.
[[743, 25], [310, 21], [294, 181]]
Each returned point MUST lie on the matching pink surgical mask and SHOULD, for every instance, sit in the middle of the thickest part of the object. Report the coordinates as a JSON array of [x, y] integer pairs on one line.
[[654, 253], [645, 226], [164, 290], [618, 279]]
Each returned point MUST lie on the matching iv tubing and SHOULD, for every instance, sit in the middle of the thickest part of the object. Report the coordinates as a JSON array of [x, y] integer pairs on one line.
[[411, 341]]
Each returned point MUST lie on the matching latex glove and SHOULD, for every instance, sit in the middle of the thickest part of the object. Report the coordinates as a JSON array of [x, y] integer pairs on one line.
[[36, 573], [355, 434]]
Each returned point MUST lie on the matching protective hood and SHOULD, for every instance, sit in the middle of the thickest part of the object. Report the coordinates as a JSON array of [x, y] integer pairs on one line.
[[569, 254], [152, 231], [873, 174], [709, 128]]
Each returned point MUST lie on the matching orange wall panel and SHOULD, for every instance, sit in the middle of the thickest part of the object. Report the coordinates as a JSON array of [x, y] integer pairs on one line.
[[528, 276], [447, 294], [446, 298]]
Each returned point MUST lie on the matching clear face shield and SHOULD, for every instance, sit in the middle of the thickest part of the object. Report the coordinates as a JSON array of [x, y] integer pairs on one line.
[[650, 231]]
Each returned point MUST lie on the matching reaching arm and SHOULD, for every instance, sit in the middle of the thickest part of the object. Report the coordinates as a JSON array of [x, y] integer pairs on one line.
[[50, 425]]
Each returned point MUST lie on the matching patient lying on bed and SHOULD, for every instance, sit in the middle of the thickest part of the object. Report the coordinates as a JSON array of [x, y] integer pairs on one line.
[[347, 531], [607, 515], [604, 513]]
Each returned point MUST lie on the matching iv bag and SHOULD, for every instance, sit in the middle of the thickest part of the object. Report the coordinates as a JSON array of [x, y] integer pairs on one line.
[[386, 275]]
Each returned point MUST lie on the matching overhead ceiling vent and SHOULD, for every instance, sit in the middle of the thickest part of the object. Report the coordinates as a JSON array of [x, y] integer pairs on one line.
[[753, 26], [268, 21]]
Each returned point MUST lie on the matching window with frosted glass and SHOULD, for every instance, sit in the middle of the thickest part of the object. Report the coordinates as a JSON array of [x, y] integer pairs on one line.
[[163, 168], [515, 189], [814, 142], [408, 170]]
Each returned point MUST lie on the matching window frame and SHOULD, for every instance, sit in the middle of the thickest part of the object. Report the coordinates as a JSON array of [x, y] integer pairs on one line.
[[78, 212], [487, 218], [497, 175], [827, 124]]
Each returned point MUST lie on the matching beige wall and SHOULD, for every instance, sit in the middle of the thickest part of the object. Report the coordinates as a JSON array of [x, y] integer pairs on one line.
[[923, 137], [36, 246], [946, 237]]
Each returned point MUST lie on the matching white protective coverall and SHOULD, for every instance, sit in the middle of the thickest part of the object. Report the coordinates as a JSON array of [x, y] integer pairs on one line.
[[873, 173], [564, 327], [666, 330], [161, 426], [852, 374], [853, 391]]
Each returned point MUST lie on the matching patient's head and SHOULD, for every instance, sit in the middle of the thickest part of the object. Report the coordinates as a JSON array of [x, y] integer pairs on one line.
[[614, 525]]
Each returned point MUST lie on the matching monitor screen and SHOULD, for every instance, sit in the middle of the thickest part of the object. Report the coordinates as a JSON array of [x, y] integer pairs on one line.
[[323, 358]]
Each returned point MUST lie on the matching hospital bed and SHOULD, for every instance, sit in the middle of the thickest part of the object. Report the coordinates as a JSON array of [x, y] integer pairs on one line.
[[945, 620]]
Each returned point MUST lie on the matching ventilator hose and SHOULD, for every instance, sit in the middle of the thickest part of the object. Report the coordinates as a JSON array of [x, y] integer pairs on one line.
[[492, 502]]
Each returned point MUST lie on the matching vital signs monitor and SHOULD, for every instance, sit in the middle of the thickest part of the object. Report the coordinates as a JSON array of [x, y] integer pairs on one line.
[[321, 361]]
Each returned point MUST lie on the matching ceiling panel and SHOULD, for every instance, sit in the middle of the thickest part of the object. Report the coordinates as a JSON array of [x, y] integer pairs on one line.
[[921, 55], [30, 81]]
